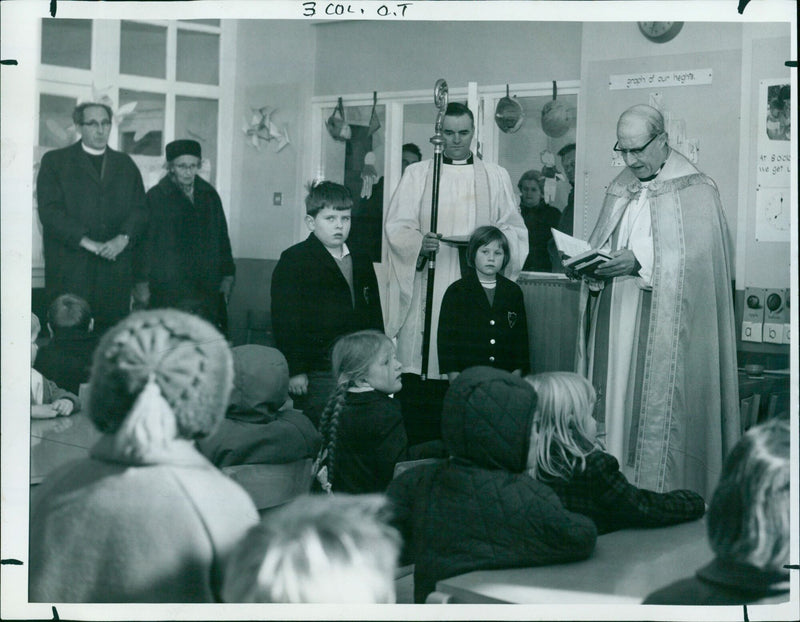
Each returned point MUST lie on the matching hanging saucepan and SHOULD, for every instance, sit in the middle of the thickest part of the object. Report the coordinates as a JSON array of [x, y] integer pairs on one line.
[[509, 114], [557, 117], [337, 125]]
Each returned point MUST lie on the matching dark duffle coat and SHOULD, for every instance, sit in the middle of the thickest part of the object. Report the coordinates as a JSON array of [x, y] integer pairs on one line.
[[471, 332], [188, 248], [74, 202]]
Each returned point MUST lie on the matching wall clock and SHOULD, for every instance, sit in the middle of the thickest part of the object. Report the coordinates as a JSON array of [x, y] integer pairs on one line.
[[660, 32]]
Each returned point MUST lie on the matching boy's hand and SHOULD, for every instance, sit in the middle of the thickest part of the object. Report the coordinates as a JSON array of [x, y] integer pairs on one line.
[[43, 411], [63, 406], [298, 385]]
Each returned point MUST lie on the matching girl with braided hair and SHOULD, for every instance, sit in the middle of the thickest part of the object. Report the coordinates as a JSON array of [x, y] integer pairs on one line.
[[145, 518], [363, 435]]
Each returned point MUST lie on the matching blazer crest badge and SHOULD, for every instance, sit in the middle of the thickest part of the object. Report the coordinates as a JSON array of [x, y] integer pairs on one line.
[[512, 318]]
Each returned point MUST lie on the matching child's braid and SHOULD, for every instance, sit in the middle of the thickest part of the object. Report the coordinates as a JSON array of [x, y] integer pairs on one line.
[[329, 428]]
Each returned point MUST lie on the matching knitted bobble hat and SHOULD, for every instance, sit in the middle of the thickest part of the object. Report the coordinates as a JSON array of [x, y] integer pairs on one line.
[[186, 357]]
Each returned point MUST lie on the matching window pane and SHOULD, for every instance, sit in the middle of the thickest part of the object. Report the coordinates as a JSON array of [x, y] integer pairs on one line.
[[67, 43], [198, 57], [55, 121], [196, 118], [143, 50], [142, 132]]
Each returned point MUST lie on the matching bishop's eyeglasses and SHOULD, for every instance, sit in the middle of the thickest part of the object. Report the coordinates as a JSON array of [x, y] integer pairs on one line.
[[634, 152]]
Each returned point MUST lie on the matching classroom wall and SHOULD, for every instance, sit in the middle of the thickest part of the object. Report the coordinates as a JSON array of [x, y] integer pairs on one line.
[[762, 264], [359, 57], [274, 67]]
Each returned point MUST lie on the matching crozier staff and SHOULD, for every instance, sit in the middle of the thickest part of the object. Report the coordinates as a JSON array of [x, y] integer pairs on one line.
[[660, 343]]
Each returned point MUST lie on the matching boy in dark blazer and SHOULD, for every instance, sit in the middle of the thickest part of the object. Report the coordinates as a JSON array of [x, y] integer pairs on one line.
[[320, 291], [483, 320]]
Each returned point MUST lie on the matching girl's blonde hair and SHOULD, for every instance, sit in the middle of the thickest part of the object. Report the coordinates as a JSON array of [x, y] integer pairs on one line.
[[559, 439], [351, 358]]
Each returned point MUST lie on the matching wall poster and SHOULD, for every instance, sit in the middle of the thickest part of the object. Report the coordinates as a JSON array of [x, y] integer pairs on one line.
[[773, 161]]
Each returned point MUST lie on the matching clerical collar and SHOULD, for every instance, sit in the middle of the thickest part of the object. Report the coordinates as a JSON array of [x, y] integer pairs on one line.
[[94, 152], [447, 160], [654, 175]]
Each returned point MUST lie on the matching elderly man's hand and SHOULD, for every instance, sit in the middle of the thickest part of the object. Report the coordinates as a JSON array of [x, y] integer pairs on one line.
[[113, 247], [623, 262]]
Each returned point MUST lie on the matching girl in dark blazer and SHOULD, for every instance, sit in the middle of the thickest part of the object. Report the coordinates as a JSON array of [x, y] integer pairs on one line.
[[482, 320]]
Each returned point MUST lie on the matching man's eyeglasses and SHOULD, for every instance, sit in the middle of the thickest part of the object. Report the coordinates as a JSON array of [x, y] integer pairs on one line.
[[187, 167], [634, 152], [97, 125]]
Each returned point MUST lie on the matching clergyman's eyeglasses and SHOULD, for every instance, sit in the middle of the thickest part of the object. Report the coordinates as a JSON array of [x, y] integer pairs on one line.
[[634, 152]]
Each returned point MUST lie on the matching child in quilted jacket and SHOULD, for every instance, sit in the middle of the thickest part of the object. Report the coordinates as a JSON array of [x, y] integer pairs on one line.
[[566, 454], [479, 510]]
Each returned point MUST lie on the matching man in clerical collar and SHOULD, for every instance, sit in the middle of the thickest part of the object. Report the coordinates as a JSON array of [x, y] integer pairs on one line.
[[189, 263], [91, 204], [471, 193], [656, 331]]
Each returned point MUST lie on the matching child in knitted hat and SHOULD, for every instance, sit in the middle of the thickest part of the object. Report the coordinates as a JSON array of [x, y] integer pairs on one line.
[[146, 518]]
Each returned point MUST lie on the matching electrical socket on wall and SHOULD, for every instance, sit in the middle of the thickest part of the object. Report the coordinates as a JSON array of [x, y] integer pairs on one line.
[[277, 198]]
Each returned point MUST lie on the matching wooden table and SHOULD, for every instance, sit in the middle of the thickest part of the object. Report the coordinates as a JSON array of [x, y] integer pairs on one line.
[[54, 442], [624, 568]]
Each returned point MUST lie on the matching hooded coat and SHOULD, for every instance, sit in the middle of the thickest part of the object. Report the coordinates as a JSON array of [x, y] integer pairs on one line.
[[479, 510]]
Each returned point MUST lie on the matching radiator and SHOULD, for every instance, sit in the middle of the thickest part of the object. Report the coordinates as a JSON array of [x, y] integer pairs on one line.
[[551, 304]]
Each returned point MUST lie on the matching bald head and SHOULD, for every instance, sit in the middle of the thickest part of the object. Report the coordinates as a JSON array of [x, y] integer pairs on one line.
[[643, 114], [642, 140]]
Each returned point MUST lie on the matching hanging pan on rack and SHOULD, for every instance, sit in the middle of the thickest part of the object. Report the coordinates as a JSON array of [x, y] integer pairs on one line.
[[509, 114], [557, 116]]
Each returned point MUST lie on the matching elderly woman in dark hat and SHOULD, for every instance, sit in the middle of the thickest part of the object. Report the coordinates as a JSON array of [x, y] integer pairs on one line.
[[189, 264], [145, 518], [539, 217]]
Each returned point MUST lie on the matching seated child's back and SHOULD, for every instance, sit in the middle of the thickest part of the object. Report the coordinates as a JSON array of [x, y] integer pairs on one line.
[[480, 510], [566, 455], [67, 359], [362, 426]]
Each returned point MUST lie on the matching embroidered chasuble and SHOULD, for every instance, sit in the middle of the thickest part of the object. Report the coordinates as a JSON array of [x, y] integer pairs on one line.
[[469, 196], [660, 347]]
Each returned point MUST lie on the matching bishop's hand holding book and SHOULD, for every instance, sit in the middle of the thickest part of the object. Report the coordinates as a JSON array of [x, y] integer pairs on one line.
[[578, 256], [581, 260]]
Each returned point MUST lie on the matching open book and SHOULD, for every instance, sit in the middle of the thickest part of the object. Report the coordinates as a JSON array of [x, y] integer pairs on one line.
[[581, 257]]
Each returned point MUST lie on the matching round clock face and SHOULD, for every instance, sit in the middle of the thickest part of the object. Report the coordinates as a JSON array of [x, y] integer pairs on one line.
[[660, 32]]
